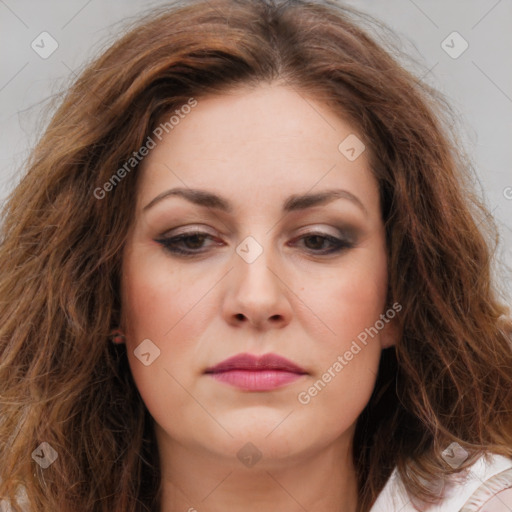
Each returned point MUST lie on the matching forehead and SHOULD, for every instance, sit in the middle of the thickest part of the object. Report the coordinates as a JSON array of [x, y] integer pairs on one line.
[[258, 144]]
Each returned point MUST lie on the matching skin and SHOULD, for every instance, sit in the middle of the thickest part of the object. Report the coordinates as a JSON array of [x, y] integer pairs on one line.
[[255, 147]]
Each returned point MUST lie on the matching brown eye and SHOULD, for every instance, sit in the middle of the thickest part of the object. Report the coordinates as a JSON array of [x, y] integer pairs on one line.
[[194, 241], [317, 242], [325, 244], [186, 243]]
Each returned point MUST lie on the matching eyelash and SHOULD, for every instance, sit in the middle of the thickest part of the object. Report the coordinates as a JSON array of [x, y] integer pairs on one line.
[[170, 243]]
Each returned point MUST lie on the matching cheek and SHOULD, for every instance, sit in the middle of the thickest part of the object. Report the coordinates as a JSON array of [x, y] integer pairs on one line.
[[352, 300], [351, 304], [165, 306], [155, 295]]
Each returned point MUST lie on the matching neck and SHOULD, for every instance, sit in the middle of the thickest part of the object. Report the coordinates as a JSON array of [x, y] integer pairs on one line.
[[198, 480]]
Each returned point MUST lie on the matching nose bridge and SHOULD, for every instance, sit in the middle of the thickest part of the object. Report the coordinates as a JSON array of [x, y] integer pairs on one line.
[[255, 263], [257, 291]]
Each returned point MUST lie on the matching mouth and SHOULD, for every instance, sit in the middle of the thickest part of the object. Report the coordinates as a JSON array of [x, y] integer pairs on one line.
[[256, 373]]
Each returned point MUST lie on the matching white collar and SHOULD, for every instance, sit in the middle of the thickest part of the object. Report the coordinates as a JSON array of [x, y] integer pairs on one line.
[[394, 497]]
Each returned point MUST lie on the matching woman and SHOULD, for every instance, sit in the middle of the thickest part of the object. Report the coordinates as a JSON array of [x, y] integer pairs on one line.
[[246, 271]]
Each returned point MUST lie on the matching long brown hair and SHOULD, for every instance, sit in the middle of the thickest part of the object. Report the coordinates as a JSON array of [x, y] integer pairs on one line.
[[448, 379]]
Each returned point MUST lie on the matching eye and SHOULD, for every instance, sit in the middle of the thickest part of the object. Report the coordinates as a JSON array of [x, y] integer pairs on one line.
[[320, 240], [192, 243]]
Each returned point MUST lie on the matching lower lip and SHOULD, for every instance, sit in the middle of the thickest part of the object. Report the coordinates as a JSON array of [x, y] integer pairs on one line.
[[260, 380]]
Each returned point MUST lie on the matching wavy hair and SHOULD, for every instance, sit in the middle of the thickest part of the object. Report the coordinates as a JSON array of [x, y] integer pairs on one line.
[[448, 379]]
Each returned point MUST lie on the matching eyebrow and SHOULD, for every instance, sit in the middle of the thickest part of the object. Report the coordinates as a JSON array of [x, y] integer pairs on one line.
[[295, 202]]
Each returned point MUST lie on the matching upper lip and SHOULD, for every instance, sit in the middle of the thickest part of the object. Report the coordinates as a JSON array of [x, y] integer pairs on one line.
[[256, 363]]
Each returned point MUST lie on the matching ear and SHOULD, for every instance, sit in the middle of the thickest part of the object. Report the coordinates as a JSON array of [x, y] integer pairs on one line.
[[390, 334], [117, 336]]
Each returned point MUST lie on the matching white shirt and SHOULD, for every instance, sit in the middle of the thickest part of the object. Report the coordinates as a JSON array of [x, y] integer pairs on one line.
[[466, 492]]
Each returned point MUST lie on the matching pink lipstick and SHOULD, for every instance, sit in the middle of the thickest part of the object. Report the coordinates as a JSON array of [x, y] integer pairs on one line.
[[256, 373]]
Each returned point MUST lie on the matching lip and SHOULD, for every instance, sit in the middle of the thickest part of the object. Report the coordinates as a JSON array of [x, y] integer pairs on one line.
[[256, 373]]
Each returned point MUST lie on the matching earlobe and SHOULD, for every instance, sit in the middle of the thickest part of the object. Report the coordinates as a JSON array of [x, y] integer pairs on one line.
[[117, 336], [389, 335]]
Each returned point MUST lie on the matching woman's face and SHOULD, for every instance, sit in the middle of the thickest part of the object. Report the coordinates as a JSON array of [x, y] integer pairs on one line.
[[271, 273]]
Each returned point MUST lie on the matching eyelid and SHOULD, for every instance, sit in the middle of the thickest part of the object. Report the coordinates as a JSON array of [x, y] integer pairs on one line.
[[187, 230], [346, 231], [315, 228], [346, 234]]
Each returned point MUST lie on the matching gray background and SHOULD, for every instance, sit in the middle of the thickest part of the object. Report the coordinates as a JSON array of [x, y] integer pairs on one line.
[[478, 83]]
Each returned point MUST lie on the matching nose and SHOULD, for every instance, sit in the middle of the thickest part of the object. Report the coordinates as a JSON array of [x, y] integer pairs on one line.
[[257, 293]]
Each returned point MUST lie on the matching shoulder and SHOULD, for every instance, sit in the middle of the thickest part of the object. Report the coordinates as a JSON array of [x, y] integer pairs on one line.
[[500, 502], [489, 478], [494, 489]]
